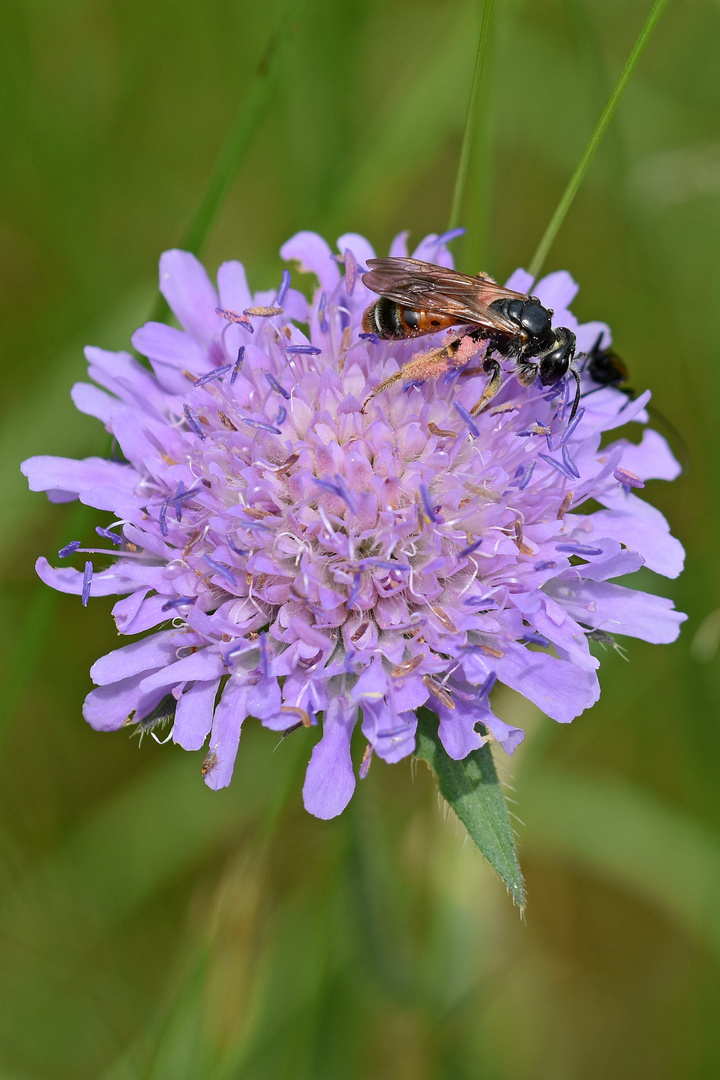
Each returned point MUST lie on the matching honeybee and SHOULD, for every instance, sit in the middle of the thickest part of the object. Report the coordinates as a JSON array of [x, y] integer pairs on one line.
[[418, 298]]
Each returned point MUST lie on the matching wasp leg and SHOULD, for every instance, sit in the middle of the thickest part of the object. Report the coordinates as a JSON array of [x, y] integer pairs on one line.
[[428, 365], [492, 386]]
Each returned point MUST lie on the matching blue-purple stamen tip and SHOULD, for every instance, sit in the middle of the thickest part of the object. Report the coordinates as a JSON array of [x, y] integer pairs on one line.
[[177, 602], [373, 338], [578, 549], [282, 291], [281, 416], [468, 419], [163, 515], [262, 425], [304, 350], [108, 534], [238, 364], [528, 471], [277, 387], [87, 580], [223, 571], [321, 312], [383, 564], [469, 550], [427, 505], [214, 374], [546, 564], [451, 234], [559, 465], [194, 421], [485, 689], [569, 462], [571, 426], [533, 638], [231, 544], [353, 594], [69, 549]]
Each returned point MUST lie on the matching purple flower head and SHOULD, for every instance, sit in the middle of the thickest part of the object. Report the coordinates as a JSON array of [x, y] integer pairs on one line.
[[298, 551]]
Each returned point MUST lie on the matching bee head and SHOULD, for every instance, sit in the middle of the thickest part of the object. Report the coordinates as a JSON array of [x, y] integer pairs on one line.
[[555, 363]]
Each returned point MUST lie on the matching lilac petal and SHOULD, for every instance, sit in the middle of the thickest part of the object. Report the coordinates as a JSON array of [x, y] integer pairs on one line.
[[556, 291], [126, 378], [93, 401], [264, 700], [457, 727], [644, 531], [187, 288], [520, 281], [46, 473], [506, 735], [171, 346], [330, 781], [314, 256], [588, 333], [147, 615], [652, 459], [66, 579], [108, 707], [225, 735], [361, 248], [398, 247], [139, 657], [205, 664], [233, 288], [557, 687], [194, 714], [618, 610]]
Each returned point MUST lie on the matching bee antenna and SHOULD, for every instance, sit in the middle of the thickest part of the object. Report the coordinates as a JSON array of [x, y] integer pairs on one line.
[[573, 371]]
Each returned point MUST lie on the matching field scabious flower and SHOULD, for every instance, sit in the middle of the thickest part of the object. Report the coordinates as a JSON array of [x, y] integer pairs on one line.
[[292, 557]]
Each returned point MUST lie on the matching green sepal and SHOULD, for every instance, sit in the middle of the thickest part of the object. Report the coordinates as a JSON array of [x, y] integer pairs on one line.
[[471, 787]]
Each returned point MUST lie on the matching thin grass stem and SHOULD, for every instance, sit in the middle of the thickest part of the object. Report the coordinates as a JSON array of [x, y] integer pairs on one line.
[[538, 259]]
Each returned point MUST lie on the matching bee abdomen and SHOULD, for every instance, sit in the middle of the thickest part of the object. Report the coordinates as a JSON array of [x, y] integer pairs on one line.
[[390, 320]]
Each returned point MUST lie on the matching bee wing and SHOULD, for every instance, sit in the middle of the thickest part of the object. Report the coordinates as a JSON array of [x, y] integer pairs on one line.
[[425, 286]]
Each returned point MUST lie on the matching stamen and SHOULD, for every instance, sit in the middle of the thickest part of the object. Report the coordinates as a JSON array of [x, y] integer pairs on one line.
[[214, 374], [87, 579], [69, 549], [223, 571], [565, 505], [305, 719], [177, 602], [281, 416], [372, 338], [569, 462], [350, 271], [306, 350], [321, 312], [469, 550], [571, 426], [533, 638], [578, 549], [353, 594], [237, 550], [451, 234], [628, 479], [485, 689], [383, 564], [468, 419], [163, 515], [559, 465], [437, 691], [284, 286], [263, 654], [107, 534], [277, 387], [238, 364], [194, 421], [235, 317], [263, 312], [225, 421], [429, 514], [485, 603], [444, 619], [526, 478], [261, 425], [365, 763], [407, 667], [440, 432], [548, 564]]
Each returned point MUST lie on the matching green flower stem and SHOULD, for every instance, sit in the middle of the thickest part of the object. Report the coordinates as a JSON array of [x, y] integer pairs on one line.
[[577, 177]]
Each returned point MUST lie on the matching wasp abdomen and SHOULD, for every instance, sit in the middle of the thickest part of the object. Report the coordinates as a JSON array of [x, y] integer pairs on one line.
[[391, 320]]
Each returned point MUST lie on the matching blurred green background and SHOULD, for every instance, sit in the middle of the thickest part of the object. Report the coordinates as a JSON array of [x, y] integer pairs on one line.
[[150, 928]]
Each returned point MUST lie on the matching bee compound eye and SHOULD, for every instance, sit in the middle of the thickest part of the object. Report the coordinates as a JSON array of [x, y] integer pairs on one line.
[[553, 367]]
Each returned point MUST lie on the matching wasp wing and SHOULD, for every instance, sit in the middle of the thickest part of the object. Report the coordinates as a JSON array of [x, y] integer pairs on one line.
[[424, 286]]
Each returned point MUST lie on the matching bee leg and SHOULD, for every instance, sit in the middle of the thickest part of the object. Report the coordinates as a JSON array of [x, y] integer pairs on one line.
[[428, 365], [576, 402], [491, 387]]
